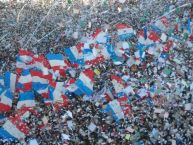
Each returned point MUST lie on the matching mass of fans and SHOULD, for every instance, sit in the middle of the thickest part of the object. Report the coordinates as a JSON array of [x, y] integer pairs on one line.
[[96, 72]]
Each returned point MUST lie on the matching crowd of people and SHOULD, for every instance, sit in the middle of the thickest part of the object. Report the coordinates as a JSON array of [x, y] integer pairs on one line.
[[167, 119]]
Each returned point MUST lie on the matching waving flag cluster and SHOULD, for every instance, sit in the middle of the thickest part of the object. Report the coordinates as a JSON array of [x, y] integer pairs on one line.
[[39, 74]]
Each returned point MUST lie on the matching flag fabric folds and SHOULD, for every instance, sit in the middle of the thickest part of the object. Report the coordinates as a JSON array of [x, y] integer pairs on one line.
[[58, 63], [39, 80], [71, 87], [24, 82], [26, 99], [6, 99], [2, 81], [10, 80], [24, 60]]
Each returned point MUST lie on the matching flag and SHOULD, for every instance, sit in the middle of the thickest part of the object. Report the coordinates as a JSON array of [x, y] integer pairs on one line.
[[6, 99], [152, 38], [118, 83], [163, 24], [1, 89], [75, 54], [128, 90], [24, 82], [25, 56], [56, 91], [2, 81], [26, 99], [124, 103], [58, 63], [43, 92], [168, 46], [56, 60], [10, 80], [119, 50], [110, 49], [91, 57], [39, 80], [104, 95], [142, 92], [115, 110], [85, 81], [61, 104], [71, 87], [105, 51], [99, 36], [140, 53], [111, 53], [124, 31], [24, 60], [117, 60], [56, 95], [155, 29], [3, 118], [108, 96]]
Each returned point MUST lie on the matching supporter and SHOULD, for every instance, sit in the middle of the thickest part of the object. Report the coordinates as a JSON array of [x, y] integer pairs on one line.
[[161, 117]]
